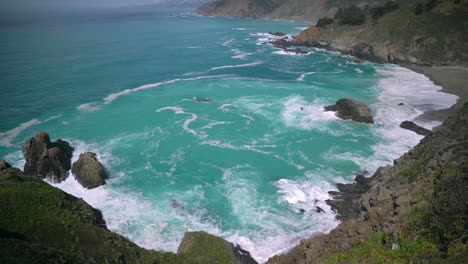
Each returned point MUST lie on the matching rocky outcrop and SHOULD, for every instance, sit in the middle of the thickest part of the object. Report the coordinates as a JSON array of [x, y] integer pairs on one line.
[[46, 159], [4, 165], [422, 193], [202, 247], [88, 171], [415, 128], [351, 109]]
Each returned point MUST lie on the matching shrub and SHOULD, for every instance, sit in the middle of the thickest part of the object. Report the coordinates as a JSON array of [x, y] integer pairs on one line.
[[431, 4], [378, 11], [352, 15], [322, 22], [419, 9]]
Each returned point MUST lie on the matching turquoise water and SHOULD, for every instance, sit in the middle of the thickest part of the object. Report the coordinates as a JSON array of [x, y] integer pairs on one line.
[[239, 165]]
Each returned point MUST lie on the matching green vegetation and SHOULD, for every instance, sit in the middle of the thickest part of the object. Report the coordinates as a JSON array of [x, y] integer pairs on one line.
[[377, 11], [195, 245], [42, 222], [322, 22], [351, 15], [388, 248]]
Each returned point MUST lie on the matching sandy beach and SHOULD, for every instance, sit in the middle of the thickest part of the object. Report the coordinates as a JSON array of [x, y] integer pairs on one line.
[[453, 80]]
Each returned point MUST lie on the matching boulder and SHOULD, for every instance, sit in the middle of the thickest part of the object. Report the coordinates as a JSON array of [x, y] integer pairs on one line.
[[352, 109], [46, 159], [201, 247], [88, 171], [415, 128], [4, 165]]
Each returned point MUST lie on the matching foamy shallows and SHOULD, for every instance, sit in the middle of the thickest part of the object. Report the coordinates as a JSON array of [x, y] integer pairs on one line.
[[205, 128]]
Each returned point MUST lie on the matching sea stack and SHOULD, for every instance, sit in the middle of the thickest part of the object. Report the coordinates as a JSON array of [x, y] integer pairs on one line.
[[46, 159], [88, 171], [351, 109]]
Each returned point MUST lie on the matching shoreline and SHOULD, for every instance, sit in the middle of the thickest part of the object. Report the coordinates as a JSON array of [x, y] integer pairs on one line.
[[452, 79]]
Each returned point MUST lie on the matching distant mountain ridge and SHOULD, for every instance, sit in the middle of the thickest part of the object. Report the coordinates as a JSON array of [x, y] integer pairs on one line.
[[299, 10]]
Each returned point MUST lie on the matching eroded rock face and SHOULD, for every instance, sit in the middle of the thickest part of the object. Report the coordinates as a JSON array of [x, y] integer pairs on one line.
[[352, 109], [88, 171], [206, 248], [46, 159], [415, 128]]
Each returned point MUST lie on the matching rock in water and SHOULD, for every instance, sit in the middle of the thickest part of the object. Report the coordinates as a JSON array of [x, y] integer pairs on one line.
[[46, 159], [415, 128], [201, 247], [88, 171], [352, 109]]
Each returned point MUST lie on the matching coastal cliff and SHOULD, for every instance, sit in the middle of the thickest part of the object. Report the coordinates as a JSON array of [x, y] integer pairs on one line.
[[401, 34], [414, 211]]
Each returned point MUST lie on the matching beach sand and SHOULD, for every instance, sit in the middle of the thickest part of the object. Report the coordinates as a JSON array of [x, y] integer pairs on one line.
[[453, 79]]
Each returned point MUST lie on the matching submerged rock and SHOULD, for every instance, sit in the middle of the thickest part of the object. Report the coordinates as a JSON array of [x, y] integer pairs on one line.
[[201, 247], [88, 171], [352, 109], [415, 128], [46, 159], [297, 51]]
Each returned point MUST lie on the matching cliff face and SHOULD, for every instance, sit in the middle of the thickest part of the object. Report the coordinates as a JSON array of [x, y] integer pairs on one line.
[[414, 211], [299, 10], [435, 37]]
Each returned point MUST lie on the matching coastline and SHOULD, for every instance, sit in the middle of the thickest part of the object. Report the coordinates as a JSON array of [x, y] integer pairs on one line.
[[452, 79]]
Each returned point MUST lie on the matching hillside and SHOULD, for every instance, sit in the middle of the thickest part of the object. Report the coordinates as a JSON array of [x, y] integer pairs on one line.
[[299, 10], [43, 224], [435, 36], [415, 211]]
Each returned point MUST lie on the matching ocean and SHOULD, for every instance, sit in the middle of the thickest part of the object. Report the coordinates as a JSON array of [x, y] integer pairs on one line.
[[199, 123]]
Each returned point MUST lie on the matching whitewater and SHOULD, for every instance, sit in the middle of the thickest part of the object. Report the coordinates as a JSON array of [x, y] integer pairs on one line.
[[203, 125]]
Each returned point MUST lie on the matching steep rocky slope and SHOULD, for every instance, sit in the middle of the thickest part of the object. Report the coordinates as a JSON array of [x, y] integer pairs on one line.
[[415, 211], [435, 37]]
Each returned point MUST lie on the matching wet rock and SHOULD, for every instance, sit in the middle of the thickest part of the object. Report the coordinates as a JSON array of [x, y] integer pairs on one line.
[[296, 51], [5, 167], [318, 209], [203, 100], [415, 128], [88, 171], [281, 43], [301, 211], [46, 159], [400, 104], [206, 248], [278, 34], [352, 109]]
